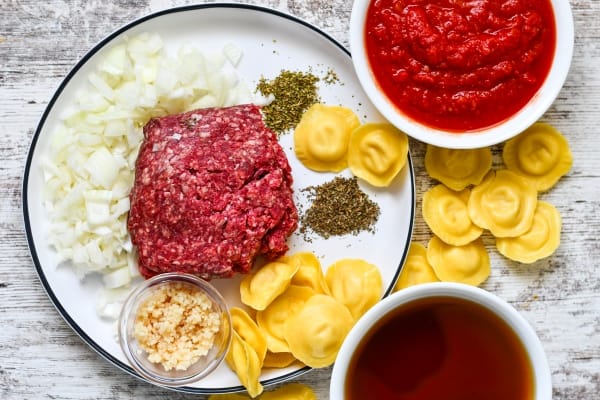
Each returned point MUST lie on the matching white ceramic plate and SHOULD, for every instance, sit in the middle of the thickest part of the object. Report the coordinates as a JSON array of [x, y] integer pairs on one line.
[[271, 41]]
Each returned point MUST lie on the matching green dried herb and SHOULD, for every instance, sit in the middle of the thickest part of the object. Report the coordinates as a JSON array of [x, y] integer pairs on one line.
[[331, 77], [294, 93], [339, 207]]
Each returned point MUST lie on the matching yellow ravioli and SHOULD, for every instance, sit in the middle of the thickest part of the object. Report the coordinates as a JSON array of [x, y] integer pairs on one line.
[[355, 283], [309, 273], [273, 318], [541, 153], [278, 360], [416, 269], [229, 396], [468, 264], [261, 287], [377, 152], [249, 331], [458, 168], [316, 332], [538, 242], [447, 215], [291, 391], [504, 203], [322, 135], [243, 360]]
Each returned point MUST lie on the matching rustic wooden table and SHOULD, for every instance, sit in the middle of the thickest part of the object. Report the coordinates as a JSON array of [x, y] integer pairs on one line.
[[41, 357]]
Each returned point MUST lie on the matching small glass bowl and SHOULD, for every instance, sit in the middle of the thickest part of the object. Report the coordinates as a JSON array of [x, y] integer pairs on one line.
[[138, 357]]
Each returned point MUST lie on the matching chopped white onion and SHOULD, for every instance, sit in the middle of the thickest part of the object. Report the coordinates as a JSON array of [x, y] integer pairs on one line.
[[90, 164]]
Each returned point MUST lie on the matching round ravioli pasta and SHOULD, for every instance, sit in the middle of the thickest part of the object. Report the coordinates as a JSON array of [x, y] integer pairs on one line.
[[316, 332], [249, 331], [258, 289], [446, 213], [321, 137], [538, 242], [278, 360], [416, 269], [541, 153], [272, 319], [504, 203], [355, 283], [377, 152], [229, 396], [468, 264], [243, 360], [292, 391], [458, 168], [309, 273]]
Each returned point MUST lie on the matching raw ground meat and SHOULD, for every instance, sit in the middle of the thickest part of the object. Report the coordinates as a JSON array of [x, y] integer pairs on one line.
[[212, 191]]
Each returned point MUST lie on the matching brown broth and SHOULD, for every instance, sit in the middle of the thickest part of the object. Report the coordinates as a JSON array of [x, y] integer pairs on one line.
[[440, 348]]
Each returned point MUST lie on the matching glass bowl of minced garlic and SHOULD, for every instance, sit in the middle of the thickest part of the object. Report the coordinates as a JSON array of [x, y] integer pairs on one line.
[[175, 329]]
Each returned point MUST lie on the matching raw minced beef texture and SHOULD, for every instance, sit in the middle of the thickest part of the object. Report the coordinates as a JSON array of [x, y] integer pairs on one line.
[[212, 191]]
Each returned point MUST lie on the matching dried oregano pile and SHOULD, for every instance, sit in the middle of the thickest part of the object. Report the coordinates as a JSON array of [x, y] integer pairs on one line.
[[339, 207], [294, 93]]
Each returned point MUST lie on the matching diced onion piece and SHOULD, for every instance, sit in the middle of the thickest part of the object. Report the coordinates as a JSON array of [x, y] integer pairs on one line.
[[117, 127], [102, 167], [117, 278], [116, 61], [101, 85], [97, 206], [110, 302], [121, 207]]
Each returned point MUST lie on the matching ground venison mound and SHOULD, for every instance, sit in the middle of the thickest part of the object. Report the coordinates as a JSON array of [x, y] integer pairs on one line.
[[212, 191]]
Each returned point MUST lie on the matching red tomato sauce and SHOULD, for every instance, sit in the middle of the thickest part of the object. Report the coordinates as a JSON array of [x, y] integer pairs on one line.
[[460, 65]]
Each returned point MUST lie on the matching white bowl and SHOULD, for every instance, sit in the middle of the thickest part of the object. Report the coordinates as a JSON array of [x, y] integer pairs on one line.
[[533, 347], [494, 134]]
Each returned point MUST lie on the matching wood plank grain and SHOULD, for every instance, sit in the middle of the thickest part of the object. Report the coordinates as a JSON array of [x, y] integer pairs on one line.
[[41, 357]]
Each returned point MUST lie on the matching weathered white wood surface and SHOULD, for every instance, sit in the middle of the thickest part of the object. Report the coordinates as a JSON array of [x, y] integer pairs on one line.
[[41, 357]]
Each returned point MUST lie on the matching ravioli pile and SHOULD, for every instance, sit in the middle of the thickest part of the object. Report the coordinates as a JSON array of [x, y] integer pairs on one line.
[[296, 312], [331, 138], [473, 198], [291, 391]]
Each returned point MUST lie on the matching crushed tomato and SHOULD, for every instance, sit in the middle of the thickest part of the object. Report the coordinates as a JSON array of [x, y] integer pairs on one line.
[[460, 66]]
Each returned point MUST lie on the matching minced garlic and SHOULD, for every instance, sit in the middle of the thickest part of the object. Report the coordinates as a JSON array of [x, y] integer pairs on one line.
[[176, 326]]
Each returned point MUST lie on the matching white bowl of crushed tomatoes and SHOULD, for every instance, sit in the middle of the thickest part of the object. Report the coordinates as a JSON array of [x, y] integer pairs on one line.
[[462, 74]]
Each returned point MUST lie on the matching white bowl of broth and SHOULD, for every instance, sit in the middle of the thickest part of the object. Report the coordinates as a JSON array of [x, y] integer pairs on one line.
[[441, 341]]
